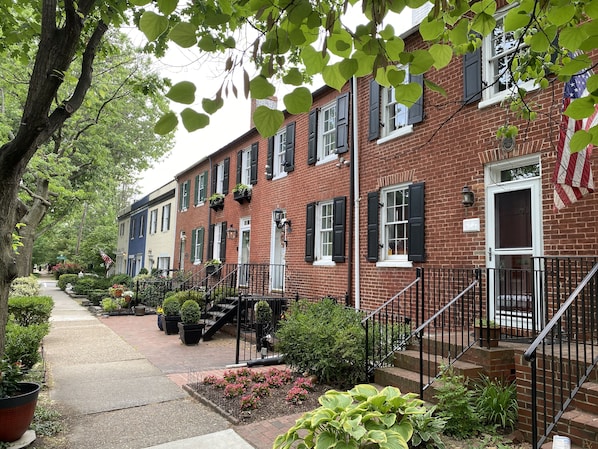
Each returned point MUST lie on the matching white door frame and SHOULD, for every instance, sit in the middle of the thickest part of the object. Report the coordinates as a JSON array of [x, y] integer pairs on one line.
[[244, 227], [277, 256]]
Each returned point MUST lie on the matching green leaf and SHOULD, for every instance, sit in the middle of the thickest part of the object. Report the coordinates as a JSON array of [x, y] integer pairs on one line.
[[592, 84], [458, 35], [152, 25], [260, 87], [194, 120], [435, 87], [394, 48], [580, 140], [442, 55], [394, 441], [267, 121], [167, 6], [376, 436], [572, 37], [431, 28], [561, 14], [335, 400], [581, 62], [183, 92], [484, 24], [313, 60], [408, 94], [212, 106], [140, 2], [183, 34], [293, 77], [325, 440], [540, 42], [300, 10], [207, 43], [591, 9], [166, 124], [298, 101], [421, 63], [580, 108], [340, 43], [332, 76], [516, 19], [348, 68], [363, 391]]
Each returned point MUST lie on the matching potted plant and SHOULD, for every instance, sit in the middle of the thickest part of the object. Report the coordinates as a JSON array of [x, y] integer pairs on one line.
[[213, 266], [242, 193], [17, 401], [263, 317], [216, 201], [171, 309], [190, 330], [487, 332]]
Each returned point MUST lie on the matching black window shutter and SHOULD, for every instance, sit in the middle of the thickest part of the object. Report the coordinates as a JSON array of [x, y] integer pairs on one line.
[[338, 229], [188, 190], [253, 174], [416, 112], [181, 187], [205, 186], [222, 255], [289, 150], [373, 221], [310, 232], [312, 137], [472, 77], [211, 242], [214, 179], [342, 124], [415, 225], [196, 191], [374, 129], [270, 159], [225, 177], [192, 252], [239, 166]]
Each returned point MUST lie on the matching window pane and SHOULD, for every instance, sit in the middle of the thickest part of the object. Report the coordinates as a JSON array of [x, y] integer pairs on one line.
[[396, 214], [326, 231]]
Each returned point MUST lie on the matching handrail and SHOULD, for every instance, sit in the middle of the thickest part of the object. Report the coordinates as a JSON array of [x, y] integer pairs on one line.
[[529, 354], [402, 292]]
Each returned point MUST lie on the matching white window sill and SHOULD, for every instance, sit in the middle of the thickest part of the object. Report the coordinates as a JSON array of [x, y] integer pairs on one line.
[[403, 131], [394, 264], [504, 95], [201, 203], [279, 176], [327, 159], [324, 263]]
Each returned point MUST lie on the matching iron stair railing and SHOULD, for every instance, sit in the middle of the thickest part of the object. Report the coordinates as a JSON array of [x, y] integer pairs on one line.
[[565, 354]]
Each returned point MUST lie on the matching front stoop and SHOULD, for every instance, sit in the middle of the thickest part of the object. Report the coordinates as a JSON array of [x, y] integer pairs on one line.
[[581, 427]]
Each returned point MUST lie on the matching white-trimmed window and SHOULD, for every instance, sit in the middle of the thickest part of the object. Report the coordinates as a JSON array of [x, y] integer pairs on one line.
[[327, 133], [280, 143], [165, 217], [121, 229], [394, 226], [201, 184], [216, 248], [141, 225], [197, 237], [153, 221], [324, 231], [498, 50], [395, 115], [184, 198], [246, 166], [220, 178]]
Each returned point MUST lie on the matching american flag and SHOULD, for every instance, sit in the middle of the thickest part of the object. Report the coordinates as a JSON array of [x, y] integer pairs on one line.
[[572, 176], [106, 258]]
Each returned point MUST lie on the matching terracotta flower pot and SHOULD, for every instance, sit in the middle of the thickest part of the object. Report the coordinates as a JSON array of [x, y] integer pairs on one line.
[[16, 412]]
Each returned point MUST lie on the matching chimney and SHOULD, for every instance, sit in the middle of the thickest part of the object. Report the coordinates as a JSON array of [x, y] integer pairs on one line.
[[271, 102]]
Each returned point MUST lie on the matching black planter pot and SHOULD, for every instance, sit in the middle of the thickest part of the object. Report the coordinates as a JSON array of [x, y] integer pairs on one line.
[[16, 412], [170, 324], [190, 334]]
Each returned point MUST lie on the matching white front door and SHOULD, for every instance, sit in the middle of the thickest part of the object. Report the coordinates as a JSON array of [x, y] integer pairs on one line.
[[513, 239], [278, 250], [244, 231]]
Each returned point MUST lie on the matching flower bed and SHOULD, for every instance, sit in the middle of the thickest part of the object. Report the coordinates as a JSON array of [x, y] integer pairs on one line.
[[245, 395]]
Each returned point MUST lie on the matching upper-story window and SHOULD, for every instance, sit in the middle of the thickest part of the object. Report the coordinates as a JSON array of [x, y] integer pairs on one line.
[[280, 140], [153, 221], [395, 115], [281, 152], [121, 230], [201, 188], [132, 229], [220, 177], [141, 225], [328, 131], [165, 217], [184, 195], [245, 168], [247, 165]]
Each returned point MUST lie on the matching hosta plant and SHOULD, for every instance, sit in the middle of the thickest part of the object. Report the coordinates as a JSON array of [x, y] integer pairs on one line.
[[362, 417]]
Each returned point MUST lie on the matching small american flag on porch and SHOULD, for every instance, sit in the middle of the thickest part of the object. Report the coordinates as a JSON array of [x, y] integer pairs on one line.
[[572, 176], [106, 258]]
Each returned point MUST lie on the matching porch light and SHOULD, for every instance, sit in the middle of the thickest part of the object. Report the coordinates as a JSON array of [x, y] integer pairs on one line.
[[468, 196], [231, 233], [280, 220]]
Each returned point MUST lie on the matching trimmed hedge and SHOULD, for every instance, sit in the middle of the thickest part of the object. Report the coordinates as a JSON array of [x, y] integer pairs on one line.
[[28, 310], [65, 279], [23, 342], [24, 286]]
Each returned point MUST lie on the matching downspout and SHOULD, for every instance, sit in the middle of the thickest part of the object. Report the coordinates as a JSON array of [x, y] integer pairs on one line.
[[209, 208], [354, 197]]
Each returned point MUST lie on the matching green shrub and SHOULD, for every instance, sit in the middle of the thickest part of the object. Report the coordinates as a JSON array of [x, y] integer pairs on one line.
[[171, 306], [123, 279], [496, 402], [82, 286], [24, 286], [95, 296], [362, 417], [23, 342], [184, 295], [324, 339], [427, 429], [263, 312], [143, 271], [190, 312], [455, 405], [222, 292], [109, 304], [27, 310], [65, 279], [66, 268]]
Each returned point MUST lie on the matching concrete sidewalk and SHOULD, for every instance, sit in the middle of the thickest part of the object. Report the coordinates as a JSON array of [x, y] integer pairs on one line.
[[114, 396]]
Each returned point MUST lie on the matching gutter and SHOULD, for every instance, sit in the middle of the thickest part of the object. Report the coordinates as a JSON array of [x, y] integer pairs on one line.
[[355, 197]]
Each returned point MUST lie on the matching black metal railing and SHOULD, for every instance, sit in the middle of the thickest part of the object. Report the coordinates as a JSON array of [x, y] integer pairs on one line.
[[449, 332], [564, 353]]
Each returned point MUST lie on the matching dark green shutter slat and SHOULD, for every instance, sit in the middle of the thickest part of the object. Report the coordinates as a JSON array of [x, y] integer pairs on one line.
[[200, 236], [196, 191], [270, 159], [214, 179], [239, 166], [416, 228], [211, 242], [312, 137], [472, 77], [373, 223], [289, 153], [180, 196], [416, 111], [222, 255], [338, 229], [192, 252], [374, 126], [310, 232], [225, 178], [205, 186], [253, 174], [342, 124]]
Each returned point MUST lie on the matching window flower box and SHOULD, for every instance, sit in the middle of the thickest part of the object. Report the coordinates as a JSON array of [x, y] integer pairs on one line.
[[242, 193], [217, 201]]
